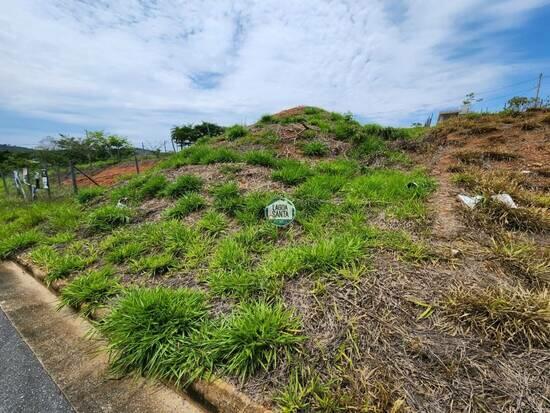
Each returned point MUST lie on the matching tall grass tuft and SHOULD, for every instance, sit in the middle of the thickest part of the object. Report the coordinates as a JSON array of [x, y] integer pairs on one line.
[[187, 204], [183, 185], [256, 336], [107, 217]]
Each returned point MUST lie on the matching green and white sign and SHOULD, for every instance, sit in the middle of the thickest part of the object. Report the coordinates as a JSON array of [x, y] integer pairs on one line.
[[281, 212]]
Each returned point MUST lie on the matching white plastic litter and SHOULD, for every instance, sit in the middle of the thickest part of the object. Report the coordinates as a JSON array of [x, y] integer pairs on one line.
[[121, 204], [470, 201], [505, 199]]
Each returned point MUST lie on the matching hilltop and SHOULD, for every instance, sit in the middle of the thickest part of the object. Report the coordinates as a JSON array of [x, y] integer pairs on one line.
[[385, 294]]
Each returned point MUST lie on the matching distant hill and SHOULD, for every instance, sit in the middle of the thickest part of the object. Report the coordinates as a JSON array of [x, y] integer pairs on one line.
[[13, 148]]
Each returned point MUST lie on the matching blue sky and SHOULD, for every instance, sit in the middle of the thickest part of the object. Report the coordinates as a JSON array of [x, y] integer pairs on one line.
[[136, 68]]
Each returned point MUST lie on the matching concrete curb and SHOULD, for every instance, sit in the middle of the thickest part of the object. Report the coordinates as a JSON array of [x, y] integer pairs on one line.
[[217, 395]]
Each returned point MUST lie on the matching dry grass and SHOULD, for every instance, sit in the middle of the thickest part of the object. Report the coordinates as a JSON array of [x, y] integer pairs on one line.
[[507, 316]]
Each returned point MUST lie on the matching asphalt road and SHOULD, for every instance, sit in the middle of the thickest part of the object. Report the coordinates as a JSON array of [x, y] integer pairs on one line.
[[24, 384]]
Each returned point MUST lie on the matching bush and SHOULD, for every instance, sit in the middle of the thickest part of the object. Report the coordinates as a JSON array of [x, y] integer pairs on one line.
[[187, 204], [236, 131], [315, 148], [86, 195], [262, 158], [107, 217], [148, 325], [183, 185], [90, 291], [291, 172], [256, 336]]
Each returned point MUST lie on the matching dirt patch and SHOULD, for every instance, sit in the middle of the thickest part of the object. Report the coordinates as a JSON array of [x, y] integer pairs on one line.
[[110, 175]]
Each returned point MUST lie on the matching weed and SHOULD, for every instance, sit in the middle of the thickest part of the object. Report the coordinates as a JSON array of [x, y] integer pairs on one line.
[[261, 157], [147, 326], [256, 336], [315, 148], [19, 241], [236, 131], [515, 315], [107, 217], [185, 205], [90, 291], [153, 265], [291, 172], [85, 195], [213, 223], [183, 185]]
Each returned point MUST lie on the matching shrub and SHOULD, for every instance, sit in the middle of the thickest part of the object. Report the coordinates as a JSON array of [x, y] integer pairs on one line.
[[256, 336], [291, 172], [262, 158], [187, 204], [108, 217], [236, 131], [153, 265], [267, 119], [315, 148], [148, 325], [227, 197], [86, 195], [18, 241], [90, 291], [515, 316], [183, 185]]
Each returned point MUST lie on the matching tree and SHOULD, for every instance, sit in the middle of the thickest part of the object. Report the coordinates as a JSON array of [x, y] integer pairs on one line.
[[192, 133], [519, 103]]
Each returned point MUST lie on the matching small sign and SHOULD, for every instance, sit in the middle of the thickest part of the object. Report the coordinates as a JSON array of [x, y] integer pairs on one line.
[[281, 212]]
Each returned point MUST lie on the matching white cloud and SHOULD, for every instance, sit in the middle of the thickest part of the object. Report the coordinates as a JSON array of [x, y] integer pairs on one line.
[[136, 67]]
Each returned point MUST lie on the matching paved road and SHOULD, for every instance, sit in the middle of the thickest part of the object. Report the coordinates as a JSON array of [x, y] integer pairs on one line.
[[24, 384]]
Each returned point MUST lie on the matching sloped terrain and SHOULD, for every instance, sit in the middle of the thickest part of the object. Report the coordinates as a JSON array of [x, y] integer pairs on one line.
[[384, 294]]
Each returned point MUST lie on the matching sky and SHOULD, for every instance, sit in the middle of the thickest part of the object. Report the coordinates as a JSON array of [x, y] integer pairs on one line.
[[136, 68]]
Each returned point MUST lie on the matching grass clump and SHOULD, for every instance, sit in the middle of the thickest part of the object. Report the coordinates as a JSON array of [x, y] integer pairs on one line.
[[154, 265], [291, 172], [261, 158], [90, 291], [213, 223], [12, 244], [201, 154], [86, 195], [183, 185], [148, 326], [531, 219], [186, 205], [515, 316], [107, 217], [256, 336], [317, 191], [315, 148], [227, 197], [342, 167], [236, 131], [244, 284], [252, 207], [58, 266], [230, 256], [125, 252]]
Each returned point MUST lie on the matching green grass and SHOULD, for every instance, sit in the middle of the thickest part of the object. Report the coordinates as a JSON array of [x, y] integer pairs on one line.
[[261, 158], [315, 148], [227, 197], [213, 223], [86, 195], [251, 208], [183, 185], [201, 154], [17, 242], [236, 131], [91, 290], [256, 336], [148, 326], [230, 255], [153, 265], [291, 172], [186, 205], [344, 167], [107, 217], [60, 265], [153, 186], [244, 284], [125, 252], [317, 191]]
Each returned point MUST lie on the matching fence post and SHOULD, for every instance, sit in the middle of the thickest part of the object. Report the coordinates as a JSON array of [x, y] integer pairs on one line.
[[48, 182], [58, 171], [73, 177], [137, 163], [5, 183]]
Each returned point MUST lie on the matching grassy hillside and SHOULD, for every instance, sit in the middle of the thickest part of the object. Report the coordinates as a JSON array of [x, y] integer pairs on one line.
[[361, 304]]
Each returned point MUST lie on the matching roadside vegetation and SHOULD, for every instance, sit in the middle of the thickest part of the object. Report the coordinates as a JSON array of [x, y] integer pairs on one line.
[[356, 306]]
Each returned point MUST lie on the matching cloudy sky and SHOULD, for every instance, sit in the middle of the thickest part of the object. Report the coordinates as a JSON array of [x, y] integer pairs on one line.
[[138, 67]]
